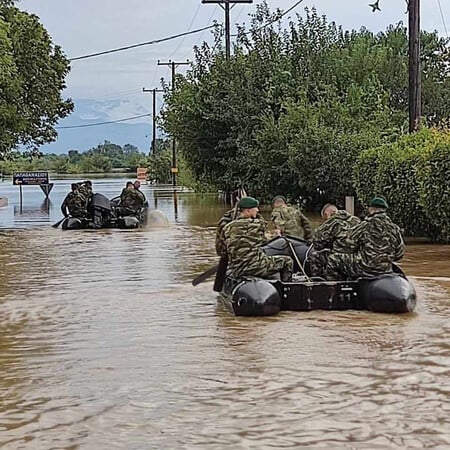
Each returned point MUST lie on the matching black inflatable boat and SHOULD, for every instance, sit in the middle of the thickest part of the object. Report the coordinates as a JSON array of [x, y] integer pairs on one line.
[[105, 213], [388, 293]]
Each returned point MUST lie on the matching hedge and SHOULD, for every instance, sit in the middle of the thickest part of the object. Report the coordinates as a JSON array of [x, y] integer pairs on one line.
[[413, 175]]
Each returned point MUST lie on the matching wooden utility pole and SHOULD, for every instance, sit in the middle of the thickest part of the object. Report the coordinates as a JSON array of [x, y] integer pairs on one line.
[[154, 91], [226, 7], [415, 96], [173, 65]]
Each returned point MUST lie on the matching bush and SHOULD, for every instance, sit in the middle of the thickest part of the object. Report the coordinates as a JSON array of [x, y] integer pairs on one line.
[[412, 174]]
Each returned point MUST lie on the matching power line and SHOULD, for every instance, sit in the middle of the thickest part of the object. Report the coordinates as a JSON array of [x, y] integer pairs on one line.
[[276, 19], [128, 47], [442, 17], [184, 37], [102, 123]]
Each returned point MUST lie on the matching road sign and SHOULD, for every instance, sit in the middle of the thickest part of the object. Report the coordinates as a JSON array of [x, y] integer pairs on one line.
[[30, 178]]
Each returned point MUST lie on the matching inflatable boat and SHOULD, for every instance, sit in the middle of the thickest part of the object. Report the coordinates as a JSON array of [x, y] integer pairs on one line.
[[387, 293], [105, 213]]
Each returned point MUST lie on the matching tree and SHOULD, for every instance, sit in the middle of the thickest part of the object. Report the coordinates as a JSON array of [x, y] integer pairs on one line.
[[292, 109], [32, 77]]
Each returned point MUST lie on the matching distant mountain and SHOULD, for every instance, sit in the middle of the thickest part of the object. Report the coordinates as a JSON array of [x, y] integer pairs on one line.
[[138, 132]]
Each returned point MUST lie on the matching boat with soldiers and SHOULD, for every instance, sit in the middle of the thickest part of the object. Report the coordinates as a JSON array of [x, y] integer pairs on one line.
[[105, 213], [253, 296]]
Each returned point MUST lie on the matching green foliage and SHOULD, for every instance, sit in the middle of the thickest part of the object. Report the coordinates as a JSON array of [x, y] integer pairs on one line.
[[32, 77], [412, 174], [434, 187], [292, 109], [101, 159]]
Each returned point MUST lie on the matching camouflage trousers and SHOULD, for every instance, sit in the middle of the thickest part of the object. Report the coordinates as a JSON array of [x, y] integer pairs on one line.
[[318, 261], [77, 212], [266, 266], [342, 266]]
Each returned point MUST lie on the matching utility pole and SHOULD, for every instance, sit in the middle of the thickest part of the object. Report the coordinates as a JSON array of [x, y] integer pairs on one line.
[[174, 65], [153, 147], [226, 7], [415, 95], [414, 69]]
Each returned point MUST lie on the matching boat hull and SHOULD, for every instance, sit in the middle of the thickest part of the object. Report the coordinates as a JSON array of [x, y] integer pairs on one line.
[[387, 293]]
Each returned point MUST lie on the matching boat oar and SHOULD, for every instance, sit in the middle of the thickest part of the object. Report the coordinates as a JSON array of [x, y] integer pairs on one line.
[[57, 224], [205, 275], [221, 274]]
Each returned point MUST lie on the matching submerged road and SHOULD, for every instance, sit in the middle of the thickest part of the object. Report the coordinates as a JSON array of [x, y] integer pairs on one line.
[[104, 343]]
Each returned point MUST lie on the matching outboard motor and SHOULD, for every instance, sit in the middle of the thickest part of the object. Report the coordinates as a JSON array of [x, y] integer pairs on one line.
[[100, 210]]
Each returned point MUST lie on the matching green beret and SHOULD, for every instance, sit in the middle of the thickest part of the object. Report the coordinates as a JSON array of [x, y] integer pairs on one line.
[[378, 202], [248, 202], [279, 197]]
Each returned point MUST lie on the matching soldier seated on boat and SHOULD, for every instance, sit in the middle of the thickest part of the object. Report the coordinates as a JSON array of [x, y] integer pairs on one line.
[[130, 201], [372, 246], [85, 188], [74, 203], [137, 186], [289, 220], [243, 239], [330, 239]]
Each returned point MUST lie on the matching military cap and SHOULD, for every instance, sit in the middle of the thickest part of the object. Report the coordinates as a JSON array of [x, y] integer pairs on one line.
[[248, 202], [279, 197], [378, 202]]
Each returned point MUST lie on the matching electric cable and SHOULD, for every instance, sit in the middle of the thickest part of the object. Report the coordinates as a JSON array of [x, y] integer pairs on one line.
[[128, 47], [102, 123]]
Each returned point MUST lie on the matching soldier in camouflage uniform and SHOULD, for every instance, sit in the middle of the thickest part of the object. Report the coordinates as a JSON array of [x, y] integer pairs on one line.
[[244, 237], [130, 201], [330, 239], [374, 245], [74, 203], [289, 220], [85, 189]]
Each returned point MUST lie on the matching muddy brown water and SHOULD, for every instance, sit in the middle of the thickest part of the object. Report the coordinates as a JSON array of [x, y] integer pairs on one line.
[[105, 344]]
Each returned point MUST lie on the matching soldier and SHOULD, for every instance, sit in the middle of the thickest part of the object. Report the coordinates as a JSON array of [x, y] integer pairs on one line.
[[74, 203], [130, 201], [86, 190], [243, 238], [330, 238], [289, 220], [137, 185], [374, 245]]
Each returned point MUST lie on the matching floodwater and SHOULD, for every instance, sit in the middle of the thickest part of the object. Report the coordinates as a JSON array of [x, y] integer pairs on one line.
[[104, 344]]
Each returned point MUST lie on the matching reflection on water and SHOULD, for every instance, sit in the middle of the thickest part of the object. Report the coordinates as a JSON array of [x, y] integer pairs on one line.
[[104, 343]]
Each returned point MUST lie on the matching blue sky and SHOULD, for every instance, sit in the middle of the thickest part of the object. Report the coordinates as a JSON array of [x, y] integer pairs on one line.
[[86, 26]]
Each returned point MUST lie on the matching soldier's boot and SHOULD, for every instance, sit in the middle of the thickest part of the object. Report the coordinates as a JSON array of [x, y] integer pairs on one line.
[[286, 275]]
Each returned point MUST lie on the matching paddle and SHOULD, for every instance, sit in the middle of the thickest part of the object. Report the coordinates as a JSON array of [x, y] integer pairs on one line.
[[205, 275], [57, 224]]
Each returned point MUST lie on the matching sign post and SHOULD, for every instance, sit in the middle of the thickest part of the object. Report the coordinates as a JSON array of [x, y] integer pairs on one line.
[[32, 179]]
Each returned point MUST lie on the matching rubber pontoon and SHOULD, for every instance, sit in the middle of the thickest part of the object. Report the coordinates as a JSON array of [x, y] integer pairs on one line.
[[387, 293]]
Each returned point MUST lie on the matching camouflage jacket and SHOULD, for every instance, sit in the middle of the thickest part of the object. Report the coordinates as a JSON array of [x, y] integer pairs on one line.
[[75, 203], [229, 216], [291, 222], [376, 243], [221, 248], [131, 200], [86, 192], [243, 238], [334, 232]]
